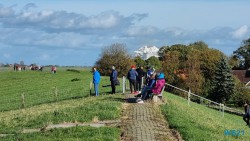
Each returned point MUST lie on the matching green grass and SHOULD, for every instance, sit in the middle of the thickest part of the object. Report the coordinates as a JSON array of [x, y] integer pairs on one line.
[[70, 134], [29, 88], [78, 110], [43, 105], [199, 123]]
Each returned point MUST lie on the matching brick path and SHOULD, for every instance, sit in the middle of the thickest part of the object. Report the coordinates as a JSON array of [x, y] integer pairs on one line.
[[144, 122]]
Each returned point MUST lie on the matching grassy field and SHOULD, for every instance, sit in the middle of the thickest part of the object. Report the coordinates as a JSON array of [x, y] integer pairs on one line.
[[69, 111], [29, 88], [199, 123], [72, 103]]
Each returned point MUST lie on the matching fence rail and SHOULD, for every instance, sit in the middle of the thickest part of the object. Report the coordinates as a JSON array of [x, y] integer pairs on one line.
[[219, 106]]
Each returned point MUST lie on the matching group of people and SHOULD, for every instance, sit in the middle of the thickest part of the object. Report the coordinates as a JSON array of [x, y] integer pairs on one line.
[[135, 77], [154, 85], [113, 79]]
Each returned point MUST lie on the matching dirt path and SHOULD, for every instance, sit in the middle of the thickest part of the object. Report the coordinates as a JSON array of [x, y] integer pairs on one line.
[[144, 122]]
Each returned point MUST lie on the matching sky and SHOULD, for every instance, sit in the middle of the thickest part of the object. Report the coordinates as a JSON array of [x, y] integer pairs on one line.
[[74, 32]]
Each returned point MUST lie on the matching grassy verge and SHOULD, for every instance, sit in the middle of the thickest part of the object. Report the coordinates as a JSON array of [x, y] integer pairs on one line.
[[70, 134], [199, 123], [106, 107]]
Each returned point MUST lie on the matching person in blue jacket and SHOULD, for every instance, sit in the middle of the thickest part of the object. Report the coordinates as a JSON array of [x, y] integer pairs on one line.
[[96, 80], [113, 79], [132, 74]]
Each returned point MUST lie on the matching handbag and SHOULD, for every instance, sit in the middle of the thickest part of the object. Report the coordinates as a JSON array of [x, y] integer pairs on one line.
[[117, 82]]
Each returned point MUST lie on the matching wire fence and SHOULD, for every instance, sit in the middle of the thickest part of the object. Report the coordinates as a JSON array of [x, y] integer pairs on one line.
[[20, 90], [19, 94], [207, 102]]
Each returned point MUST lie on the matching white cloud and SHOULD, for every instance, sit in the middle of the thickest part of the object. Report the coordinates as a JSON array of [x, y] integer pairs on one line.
[[140, 30], [6, 11], [61, 21], [241, 32]]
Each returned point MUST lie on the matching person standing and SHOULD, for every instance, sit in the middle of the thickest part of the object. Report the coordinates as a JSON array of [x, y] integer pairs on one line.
[[132, 74], [113, 79], [96, 80], [141, 74], [53, 69], [246, 116]]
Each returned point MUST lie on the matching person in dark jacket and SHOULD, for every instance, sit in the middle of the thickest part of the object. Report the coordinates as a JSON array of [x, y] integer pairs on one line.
[[96, 80], [113, 79], [149, 72], [132, 74], [141, 74], [147, 88], [246, 116]]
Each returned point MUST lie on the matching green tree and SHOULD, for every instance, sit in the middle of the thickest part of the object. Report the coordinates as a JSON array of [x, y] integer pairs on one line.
[[162, 51], [234, 62], [243, 53], [208, 58], [241, 93], [223, 83], [117, 55], [170, 65], [139, 61], [195, 78], [154, 62]]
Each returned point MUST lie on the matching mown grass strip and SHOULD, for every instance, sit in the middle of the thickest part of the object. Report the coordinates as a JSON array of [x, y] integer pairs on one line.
[[197, 122], [78, 110], [70, 134]]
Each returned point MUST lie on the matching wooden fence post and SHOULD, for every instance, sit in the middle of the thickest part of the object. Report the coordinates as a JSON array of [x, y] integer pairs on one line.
[[123, 84], [220, 108], [22, 100], [189, 92], [223, 108], [142, 82], [56, 93], [90, 87]]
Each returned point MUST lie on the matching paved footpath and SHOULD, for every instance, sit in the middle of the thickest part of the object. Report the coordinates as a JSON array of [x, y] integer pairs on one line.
[[144, 122]]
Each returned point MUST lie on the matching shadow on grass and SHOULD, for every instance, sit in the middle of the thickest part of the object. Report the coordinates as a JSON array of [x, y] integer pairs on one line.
[[132, 100], [119, 99]]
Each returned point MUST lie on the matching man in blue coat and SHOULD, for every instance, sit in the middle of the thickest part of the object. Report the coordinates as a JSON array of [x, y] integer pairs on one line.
[[96, 80], [132, 74]]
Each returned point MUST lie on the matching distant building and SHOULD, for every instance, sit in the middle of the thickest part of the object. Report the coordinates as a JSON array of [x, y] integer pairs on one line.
[[147, 52], [243, 76]]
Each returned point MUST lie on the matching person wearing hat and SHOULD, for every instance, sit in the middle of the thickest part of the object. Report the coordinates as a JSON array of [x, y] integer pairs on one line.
[[159, 84], [132, 74]]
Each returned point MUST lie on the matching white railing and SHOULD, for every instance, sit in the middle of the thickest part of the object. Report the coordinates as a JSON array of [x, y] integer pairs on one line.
[[221, 106]]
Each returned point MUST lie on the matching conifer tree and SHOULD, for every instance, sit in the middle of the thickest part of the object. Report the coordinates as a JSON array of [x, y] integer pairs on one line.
[[223, 83]]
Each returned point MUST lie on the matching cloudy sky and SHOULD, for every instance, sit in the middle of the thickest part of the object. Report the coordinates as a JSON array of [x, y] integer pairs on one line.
[[73, 32]]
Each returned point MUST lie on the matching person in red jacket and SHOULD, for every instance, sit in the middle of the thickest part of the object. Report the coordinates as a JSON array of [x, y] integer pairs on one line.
[[160, 82]]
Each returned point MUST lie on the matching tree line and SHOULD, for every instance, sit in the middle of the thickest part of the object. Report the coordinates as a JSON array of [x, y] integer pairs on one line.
[[203, 70]]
